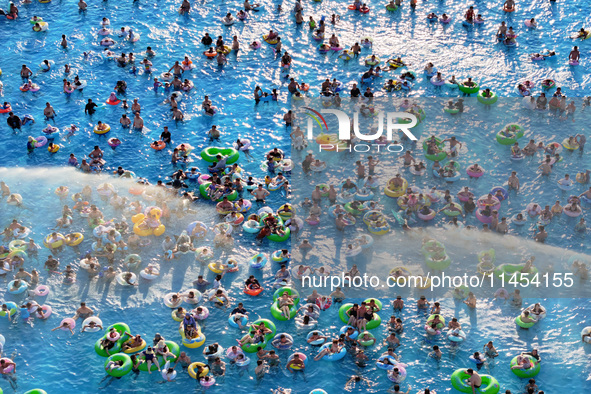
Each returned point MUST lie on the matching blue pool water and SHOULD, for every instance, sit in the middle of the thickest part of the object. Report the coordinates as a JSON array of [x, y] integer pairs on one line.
[[476, 129], [72, 364], [60, 362]]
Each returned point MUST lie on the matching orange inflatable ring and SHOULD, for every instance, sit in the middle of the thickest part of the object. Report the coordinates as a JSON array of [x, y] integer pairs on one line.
[[158, 145], [253, 292]]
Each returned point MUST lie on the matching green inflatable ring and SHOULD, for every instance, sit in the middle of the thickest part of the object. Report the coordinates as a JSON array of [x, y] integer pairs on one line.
[[269, 324], [375, 322], [368, 342], [281, 223], [277, 314], [34, 391], [102, 352], [203, 191], [209, 154], [278, 238], [490, 385], [437, 264], [504, 140], [438, 157], [526, 373], [377, 302], [292, 292], [278, 217], [122, 370], [521, 324], [391, 8], [144, 366], [323, 186], [172, 347], [456, 165], [469, 90], [430, 243], [343, 312], [439, 325], [507, 270], [251, 347], [487, 100], [352, 210]]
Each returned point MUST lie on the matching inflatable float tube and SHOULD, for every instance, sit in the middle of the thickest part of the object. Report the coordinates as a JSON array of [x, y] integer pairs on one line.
[[526, 373], [507, 270], [489, 384], [439, 156], [469, 90], [487, 100], [518, 133], [209, 154]]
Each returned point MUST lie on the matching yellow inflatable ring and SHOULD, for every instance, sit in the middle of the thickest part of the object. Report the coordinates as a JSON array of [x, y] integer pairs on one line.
[[78, 238], [194, 366], [397, 192], [105, 131], [55, 244], [135, 349]]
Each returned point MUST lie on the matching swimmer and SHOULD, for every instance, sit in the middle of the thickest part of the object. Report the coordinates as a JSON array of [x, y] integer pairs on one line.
[[83, 312], [285, 302], [509, 6], [574, 55], [220, 299], [522, 363], [532, 23], [296, 361], [469, 15], [334, 348], [228, 19], [392, 341], [5, 364], [353, 380], [63, 326], [337, 296], [471, 300], [365, 337], [527, 318]]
